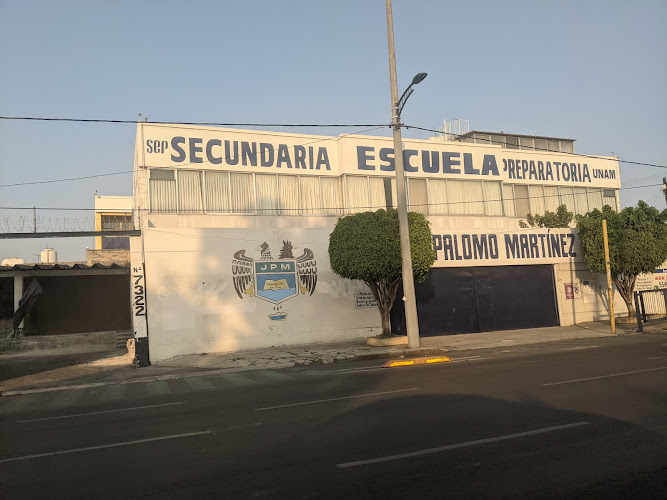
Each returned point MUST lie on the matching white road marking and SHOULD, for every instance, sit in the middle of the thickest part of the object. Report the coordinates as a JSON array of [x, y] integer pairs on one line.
[[237, 379], [274, 375], [198, 383], [336, 399], [104, 446], [350, 370], [469, 358], [461, 445], [606, 376], [100, 412], [158, 387], [112, 392], [658, 357]]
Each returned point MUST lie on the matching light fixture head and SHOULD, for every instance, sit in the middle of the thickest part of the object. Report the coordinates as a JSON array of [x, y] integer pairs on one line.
[[418, 78]]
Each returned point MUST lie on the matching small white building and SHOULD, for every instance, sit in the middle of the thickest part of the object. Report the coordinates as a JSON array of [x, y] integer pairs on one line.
[[235, 227]]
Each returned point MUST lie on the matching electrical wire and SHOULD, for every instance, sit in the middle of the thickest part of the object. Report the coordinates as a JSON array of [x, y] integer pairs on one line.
[[180, 165], [288, 125], [203, 124], [540, 149], [331, 209]]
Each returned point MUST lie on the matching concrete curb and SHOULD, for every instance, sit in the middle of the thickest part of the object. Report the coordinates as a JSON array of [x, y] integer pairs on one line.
[[383, 354], [400, 353]]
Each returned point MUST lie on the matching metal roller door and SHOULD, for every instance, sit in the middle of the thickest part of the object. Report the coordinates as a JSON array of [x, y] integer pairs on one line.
[[482, 299]]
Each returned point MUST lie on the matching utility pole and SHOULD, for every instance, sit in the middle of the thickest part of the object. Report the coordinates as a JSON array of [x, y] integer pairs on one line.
[[664, 187], [34, 219], [608, 266], [410, 302]]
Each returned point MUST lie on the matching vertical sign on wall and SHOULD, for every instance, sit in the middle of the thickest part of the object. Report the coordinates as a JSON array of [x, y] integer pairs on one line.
[[138, 301]]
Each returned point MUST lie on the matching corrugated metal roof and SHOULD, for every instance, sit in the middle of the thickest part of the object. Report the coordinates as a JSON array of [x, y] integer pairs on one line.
[[506, 134], [60, 267]]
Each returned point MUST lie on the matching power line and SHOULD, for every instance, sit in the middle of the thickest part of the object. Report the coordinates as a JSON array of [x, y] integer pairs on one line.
[[180, 165], [542, 149], [340, 208], [67, 179], [204, 124]]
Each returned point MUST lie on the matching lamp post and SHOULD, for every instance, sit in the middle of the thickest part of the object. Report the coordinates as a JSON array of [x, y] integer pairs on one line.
[[410, 302]]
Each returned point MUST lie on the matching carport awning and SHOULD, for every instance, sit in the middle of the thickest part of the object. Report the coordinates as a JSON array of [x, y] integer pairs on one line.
[[62, 269]]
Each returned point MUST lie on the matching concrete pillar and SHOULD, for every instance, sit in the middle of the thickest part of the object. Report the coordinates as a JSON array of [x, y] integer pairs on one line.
[[18, 293]]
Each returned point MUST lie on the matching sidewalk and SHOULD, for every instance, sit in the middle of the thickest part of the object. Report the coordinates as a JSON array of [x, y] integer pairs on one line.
[[117, 370]]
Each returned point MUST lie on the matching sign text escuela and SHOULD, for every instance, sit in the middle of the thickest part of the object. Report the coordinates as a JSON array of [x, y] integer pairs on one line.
[[320, 155]]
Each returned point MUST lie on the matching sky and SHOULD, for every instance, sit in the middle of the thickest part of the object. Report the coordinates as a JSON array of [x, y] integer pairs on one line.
[[595, 71]]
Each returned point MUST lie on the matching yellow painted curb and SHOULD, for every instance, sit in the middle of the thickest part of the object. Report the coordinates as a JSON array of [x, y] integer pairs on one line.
[[416, 361]]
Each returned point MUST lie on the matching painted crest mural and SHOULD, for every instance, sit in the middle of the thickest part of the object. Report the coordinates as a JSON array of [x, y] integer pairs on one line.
[[275, 280]]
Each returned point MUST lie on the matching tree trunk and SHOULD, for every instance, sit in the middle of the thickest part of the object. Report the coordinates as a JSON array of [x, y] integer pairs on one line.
[[625, 286], [384, 294]]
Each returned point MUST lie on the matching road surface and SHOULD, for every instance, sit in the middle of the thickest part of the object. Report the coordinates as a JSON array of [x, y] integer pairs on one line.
[[585, 419]]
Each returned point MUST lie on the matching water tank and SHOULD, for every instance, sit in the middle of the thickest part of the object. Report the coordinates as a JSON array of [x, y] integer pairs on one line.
[[48, 256], [12, 261]]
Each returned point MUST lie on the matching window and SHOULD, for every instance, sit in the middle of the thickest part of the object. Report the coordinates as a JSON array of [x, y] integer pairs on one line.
[[526, 143], [580, 201], [567, 147], [217, 192], [417, 197], [190, 192], [288, 187], [112, 222], [567, 199], [541, 144], [551, 200], [243, 193], [493, 200], [331, 199], [378, 198], [465, 197], [522, 200], [357, 193], [162, 188], [483, 139], [512, 142], [498, 140], [508, 200], [594, 199], [536, 202], [437, 194], [267, 194], [311, 198], [609, 198]]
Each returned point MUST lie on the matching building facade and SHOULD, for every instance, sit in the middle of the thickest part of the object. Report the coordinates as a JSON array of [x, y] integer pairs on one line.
[[235, 227]]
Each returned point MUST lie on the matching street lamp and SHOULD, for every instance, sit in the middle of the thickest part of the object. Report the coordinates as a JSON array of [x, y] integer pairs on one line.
[[410, 302]]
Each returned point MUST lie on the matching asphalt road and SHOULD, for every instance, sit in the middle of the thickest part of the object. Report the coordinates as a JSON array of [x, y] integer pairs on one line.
[[581, 419]]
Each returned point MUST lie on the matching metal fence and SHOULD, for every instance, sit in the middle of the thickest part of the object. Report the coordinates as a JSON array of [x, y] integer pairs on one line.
[[650, 305]]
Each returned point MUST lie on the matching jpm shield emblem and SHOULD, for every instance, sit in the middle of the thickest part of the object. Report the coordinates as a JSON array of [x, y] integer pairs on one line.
[[276, 280]]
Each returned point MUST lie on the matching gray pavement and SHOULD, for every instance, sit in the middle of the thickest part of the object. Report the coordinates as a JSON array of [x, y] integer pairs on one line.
[[118, 370], [580, 418]]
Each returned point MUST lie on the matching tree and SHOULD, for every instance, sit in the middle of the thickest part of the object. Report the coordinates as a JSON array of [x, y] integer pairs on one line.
[[637, 244], [560, 218], [366, 247]]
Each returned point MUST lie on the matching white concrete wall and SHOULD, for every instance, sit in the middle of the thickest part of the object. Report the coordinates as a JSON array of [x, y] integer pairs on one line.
[[590, 300], [193, 306], [110, 204]]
